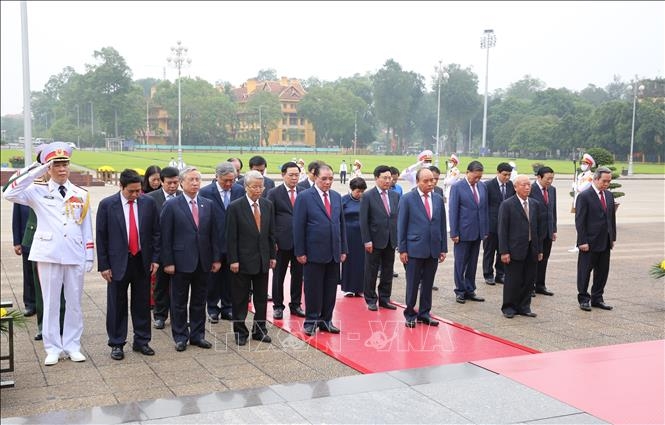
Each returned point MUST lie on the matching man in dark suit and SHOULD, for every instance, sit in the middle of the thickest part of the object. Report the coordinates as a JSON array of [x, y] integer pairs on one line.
[[319, 238], [250, 227], [190, 251], [469, 225], [237, 163], [437, 173], [128, 245], [259, 163], [595, 222], [498, 190], [520, 247], [378, 229], [283, 198], [311, 177], [170, 177], [421, 231], [545, 193], [222, 191], [20, 214]]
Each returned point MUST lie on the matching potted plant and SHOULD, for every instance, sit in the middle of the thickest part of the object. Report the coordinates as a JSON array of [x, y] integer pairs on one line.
[[17, 161]]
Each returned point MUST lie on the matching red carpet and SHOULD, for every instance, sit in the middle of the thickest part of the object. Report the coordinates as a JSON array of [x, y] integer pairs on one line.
[[378, 341], [621, 384]]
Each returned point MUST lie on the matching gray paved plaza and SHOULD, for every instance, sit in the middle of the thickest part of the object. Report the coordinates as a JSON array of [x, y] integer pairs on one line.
[[284, 382]]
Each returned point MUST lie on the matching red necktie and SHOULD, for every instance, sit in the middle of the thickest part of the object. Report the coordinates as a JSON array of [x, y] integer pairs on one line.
[[427, 210], [545, 196], [602, 200], [293, 197], [133, 231], [475, 194], [195, 212], [326, 202], [257, 216], [384, 198]]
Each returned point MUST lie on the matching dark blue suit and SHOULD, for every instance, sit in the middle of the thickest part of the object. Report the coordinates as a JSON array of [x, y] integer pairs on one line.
[[469, 221], [423, 240], [192, 250], [126, 269], [218, 297], [20, 215], [548, 223], [323, 240], [491, 256]]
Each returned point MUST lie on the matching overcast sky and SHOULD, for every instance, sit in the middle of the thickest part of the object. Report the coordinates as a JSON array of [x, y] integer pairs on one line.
[[564, 44]]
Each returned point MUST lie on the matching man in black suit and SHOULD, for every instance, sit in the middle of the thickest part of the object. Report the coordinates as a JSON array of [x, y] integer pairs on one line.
[[498, 189], [520, 247], [20, 214], [258, 163], [283, 198], [190, 251], [250, 227], [378, 228], [437, 173], [222, 191], [311, 177], [595, 222], [545, 193], [170, 183], [128, 244], [237, 163]]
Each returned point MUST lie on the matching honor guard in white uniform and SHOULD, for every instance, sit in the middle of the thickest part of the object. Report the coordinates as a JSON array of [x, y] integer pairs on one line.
[[63, 246], [452, 175], [581, 183], [424, 161]]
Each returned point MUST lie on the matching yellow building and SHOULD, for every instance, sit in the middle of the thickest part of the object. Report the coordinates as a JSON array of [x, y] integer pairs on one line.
[[292, 130]]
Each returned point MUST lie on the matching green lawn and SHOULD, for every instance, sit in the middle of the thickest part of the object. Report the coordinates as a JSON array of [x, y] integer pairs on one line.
[[206, 161]]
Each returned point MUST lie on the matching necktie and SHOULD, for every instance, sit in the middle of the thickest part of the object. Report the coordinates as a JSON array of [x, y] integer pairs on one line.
[[384, 198], [326, 202], [427, 209], [195, 212], [545, 196], [62, 190], [292, 196], [257, 216], [226, 199], [526, 211], [475, 194], [602, 200], [503, 191], [133, 231]]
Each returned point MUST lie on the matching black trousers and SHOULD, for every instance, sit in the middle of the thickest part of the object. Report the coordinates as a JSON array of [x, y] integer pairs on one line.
[[541, 267], [385, 259], [29, 296], [218, 296], [492, 258], [241, 283], [162, 295], [188, 287], [136, 280], [517, 286], [599, 263], [285, 257]]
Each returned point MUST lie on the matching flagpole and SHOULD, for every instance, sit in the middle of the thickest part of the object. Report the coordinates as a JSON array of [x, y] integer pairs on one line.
[[27, 113]]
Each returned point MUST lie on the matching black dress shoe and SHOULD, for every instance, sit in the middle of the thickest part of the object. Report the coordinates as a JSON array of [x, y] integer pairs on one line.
[[201, 343], [309, 330], [180, 346], [498, 280], [508, 315], [159, 324], [460, 299], [372, 307], [29, 312], [528, 314], [387, 306], [278, 314], [225, 315], [410, 323], [428, 321], [330, 328], [585, 306], [474, 297], [435, 288], [145, 349], [297, 312], [490, 281], [117, 353], [544, 291], [241, 339], [601, 305], [533, 293], [213, 318], [38, 336], [262, 337]]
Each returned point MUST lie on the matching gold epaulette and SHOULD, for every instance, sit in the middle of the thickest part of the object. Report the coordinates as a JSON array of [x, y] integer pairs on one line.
[[40, 181]]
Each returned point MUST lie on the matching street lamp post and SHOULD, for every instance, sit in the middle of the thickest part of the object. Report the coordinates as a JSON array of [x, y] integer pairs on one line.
[[178, 60], [438, 109], [487, 41], [632, 131]]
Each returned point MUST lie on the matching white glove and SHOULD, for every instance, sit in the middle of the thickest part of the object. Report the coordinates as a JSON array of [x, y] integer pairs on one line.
[[88, 265]]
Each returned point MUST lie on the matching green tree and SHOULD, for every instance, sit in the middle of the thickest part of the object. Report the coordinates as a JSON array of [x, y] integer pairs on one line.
[[271, 113], [267, 75], [459, 102]]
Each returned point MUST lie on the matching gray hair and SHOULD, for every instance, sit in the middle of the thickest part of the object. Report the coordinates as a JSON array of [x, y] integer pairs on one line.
[[187, 170], [600, 171], [224, 168], [252, 175]]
